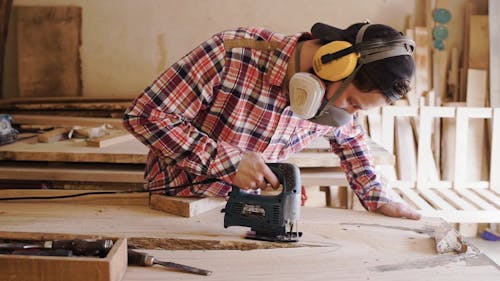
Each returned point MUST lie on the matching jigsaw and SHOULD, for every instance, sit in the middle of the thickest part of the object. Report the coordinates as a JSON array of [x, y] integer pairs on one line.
[[270, 217], [7, 133]]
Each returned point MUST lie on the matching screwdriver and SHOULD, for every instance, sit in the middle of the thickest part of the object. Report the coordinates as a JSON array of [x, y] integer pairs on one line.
[[143, 259]]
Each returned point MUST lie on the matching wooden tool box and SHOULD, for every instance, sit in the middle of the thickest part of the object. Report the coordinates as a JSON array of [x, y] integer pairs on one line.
[[76, 268]]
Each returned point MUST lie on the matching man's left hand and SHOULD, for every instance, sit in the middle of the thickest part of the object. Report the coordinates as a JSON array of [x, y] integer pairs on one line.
[[398, 210]]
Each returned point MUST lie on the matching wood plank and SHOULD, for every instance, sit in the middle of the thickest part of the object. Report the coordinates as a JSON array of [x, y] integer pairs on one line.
[[427, 167], [495, 151], [453, 74], [494, 34], [406, 149], [185, 206], [479, 42], [64, 121], [112, 139], [71, 172], [49, 40], [435, 200], [5, 8], [451, 197], [422, 62], [322, 177], [388, 114], [469, 165], [465, 192], [448, 143], [132, 152], [415, 199], [470, 9], [488, 196]]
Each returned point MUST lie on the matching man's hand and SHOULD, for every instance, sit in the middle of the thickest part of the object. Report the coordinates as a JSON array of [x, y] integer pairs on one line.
[[254, 173], [398, 210]]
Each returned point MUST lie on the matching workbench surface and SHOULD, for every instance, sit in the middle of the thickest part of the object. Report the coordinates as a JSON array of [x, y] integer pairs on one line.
[[336, 244]]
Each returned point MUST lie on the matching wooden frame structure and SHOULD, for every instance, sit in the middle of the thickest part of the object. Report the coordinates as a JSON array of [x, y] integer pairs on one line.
[[458, 200]]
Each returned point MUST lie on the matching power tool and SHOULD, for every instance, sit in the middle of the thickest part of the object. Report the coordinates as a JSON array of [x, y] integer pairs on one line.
[[7, 133], [271, 217]]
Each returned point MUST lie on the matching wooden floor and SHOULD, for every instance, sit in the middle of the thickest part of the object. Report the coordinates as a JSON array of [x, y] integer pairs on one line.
[[336, 244]]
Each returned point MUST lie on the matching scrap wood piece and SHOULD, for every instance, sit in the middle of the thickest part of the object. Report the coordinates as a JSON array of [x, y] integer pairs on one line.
[[54, 135], [450, 240], [113, 138], [90, 132], [184, 206]]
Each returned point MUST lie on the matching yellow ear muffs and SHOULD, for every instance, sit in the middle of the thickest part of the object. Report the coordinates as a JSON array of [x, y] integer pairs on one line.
[[337, 69]]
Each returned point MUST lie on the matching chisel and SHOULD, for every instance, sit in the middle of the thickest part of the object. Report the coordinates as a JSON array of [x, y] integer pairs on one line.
[[143, 259]]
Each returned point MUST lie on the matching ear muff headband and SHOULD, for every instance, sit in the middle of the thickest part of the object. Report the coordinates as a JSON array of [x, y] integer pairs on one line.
[[338, 59]]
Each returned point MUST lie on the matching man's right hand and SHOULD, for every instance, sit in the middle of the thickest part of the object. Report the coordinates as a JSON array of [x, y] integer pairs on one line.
[[253, 173]]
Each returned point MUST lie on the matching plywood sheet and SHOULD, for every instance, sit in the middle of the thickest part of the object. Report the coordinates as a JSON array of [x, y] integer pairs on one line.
[[48, 40]]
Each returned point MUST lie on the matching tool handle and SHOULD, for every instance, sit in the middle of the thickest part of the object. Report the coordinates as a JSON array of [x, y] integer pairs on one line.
[[44, 252], [138, 258], [98, 247]]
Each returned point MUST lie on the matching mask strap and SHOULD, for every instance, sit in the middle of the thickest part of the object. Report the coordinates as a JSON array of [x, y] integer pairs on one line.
[[338, 92]]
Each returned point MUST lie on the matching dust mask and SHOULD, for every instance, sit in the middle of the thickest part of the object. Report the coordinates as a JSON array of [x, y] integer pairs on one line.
[[307, 100]]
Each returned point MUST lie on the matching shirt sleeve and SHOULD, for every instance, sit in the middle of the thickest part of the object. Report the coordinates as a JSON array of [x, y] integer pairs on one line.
[[162, 116], [349, 143]]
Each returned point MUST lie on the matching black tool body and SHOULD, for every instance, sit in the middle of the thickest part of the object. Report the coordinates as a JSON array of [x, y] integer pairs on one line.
[[270, 217]]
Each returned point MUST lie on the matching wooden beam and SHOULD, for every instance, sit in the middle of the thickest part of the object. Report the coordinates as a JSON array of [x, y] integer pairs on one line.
[[185, 206]]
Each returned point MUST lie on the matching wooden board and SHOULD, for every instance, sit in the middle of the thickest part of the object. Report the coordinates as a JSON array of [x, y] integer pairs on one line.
[[494, 34], [422, 63], [349, 245], [133, 152], [34, 268], [48, 40], [185, 206], [479, 42], [5, 8]]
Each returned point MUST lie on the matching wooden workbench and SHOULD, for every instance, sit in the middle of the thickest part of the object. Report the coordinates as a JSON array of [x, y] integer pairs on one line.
[[336, 244]]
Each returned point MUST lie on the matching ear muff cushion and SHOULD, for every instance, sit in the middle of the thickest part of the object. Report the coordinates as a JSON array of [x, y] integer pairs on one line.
[[338, 69]]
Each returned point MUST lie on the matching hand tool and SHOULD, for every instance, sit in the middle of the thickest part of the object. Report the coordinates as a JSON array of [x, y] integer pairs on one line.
[[43, 252], [270, 217], [80, 247], [143, 259]]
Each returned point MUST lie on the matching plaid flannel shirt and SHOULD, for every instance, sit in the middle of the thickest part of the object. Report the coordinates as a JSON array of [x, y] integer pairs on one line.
[[215, 103]]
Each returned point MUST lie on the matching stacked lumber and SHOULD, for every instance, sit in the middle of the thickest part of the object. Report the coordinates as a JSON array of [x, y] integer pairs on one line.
[[98, 107], [443, 135]]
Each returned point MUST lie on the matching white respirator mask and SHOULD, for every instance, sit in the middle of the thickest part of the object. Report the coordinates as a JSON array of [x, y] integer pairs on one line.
[[307, 97]]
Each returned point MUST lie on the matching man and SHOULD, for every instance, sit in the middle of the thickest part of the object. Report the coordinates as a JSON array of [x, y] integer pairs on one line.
[[250, 96]]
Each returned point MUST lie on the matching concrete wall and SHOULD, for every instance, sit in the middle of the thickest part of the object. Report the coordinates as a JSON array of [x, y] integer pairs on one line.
[[127, 43]]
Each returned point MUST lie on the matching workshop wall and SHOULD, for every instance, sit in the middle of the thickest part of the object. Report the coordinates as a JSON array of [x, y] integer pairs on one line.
[[127, 43]]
